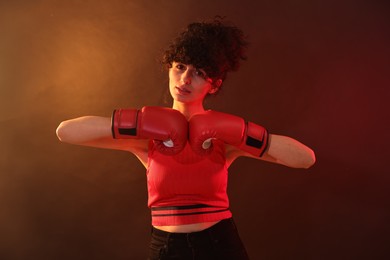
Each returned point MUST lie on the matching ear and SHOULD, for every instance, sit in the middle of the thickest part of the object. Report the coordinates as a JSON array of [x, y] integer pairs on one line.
[[213, 90], [216, 85]]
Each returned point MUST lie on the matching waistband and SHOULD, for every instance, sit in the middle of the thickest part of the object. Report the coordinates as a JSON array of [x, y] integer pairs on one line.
[[221, 226], [188, 214]]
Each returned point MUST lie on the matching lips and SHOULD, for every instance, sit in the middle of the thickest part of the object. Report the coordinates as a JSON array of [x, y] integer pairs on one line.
[[182, 91]]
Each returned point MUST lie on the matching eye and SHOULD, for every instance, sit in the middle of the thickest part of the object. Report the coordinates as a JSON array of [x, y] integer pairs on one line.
[[180, 66], [200, 73]]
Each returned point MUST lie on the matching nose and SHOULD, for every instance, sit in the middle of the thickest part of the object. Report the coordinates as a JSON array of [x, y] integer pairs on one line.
[[186, 77]]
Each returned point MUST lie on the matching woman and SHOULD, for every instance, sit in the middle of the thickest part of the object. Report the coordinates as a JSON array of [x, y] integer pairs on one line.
[[187, 150]]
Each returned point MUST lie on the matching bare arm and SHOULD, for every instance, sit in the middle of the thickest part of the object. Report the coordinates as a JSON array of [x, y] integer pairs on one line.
[[288, 151], [282, 150], [95, 131]]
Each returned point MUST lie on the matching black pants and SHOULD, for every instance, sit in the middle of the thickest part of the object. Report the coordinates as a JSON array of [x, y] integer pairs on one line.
[[220, 241]]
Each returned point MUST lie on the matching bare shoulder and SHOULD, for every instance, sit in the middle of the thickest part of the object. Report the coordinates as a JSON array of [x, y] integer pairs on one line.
[[138, 147], [232, 153]]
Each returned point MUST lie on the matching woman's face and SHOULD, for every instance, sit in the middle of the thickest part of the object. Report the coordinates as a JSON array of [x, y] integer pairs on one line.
[[188, 84]]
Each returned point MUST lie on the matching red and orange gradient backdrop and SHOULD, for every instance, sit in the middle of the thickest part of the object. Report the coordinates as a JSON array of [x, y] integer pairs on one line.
[[317, 71]]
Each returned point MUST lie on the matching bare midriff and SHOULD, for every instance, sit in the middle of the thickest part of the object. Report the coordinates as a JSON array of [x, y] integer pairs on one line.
[[187, 228]]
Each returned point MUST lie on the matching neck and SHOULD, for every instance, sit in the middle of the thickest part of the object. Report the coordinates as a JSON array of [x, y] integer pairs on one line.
[[187, 109]]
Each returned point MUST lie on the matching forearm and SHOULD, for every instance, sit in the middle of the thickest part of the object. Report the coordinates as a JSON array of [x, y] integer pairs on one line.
[[129, 129], [84, 129], [290, 152]]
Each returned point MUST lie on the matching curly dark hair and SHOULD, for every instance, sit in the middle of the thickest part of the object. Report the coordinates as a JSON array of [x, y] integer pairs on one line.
[[216, 47]]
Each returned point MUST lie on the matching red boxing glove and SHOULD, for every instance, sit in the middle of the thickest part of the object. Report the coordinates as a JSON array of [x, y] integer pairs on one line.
[[231, 129], [167, 127]]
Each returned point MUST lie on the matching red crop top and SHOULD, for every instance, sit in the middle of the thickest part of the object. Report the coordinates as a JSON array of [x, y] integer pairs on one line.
[[187, 188]]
